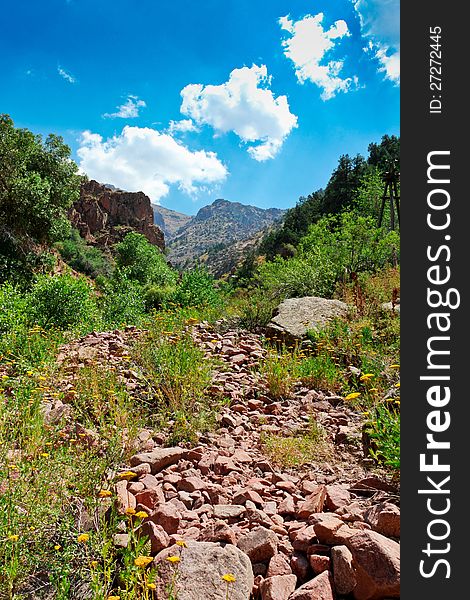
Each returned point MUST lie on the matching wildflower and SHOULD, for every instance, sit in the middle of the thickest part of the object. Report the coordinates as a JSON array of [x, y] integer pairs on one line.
[[352, 396], [44, 455], [94, 564], [105, 493], [13, 467], [113, 598], [57, 547], [143, 561], [130, 511], [173, 559], [397, 385], [13, 537], [373, 389], [228, 577], [42, 378], [141, 514], [29, 373], [394, 366], [4, 377], [83, 538], [127, 475], [151, 586], [181, 544], [366, 376]]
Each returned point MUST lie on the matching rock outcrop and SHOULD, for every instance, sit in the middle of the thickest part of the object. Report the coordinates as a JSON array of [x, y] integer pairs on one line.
[[296, 316], [103, 216]]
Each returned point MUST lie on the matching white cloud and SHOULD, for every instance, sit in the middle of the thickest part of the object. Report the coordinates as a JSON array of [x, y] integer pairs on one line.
[[380, 22], [145, 159], [182, 126], [245, 105], [128, 110], [67, 76], [308, 46]]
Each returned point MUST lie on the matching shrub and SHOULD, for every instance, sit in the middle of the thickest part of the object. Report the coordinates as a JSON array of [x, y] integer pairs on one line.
[[122, 302], [13, 307], [138, 260], [197, 289], [84, 258], [157, 297], [62, 301]]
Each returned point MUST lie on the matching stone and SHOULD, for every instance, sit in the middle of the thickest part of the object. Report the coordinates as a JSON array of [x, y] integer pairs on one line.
[[287, 506], [201, 570], [376, 559], [336, 497], [168, 516], [158, 537], [218, 531], [150, 498], [260, 544], [329, 529], [121, 540], [318, 588], [278, 587], [124, 498], [278, 565], [299, 565], [384, 518], [303, 538], [159, 458], [313, 503], [228, 511], [191, 484], [319, 563], [295, 316], [344, 576]]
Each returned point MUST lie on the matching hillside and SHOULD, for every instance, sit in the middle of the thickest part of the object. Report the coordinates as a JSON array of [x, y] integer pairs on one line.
[[219, 234], [169, 221]]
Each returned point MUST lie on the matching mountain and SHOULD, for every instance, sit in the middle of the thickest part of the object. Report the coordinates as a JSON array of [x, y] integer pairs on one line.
[[220, 235], [168, 220]]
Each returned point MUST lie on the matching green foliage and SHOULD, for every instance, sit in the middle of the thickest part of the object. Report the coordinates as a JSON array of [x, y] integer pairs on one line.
[[139, 260], [12, 308], [197, 288], [341, 191], [383, 154], [62, 301], [383, 428], [84, 258], [38, 183], [122, 301]]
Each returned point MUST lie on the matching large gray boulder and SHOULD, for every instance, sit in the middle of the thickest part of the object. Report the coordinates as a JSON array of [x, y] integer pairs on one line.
[[296, 316], [198, 575]]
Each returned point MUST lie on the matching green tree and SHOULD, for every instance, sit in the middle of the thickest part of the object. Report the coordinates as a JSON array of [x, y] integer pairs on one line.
[[381, 155], [140, 261], [342, 188]]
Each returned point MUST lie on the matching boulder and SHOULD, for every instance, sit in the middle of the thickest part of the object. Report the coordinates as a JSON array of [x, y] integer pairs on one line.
[[200, 570], [318, 588], [384, 518], [278, 587], [159, 458], [296, 316], [343, 571], [377, 565], [260, 544]]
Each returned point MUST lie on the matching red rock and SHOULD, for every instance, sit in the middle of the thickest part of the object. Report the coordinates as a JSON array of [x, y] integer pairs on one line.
[[218, 531], [260, 544], [318, 588], [168, 516], [329, 529], [336, 496], [319, 563], [150, 498], [159, 458], [384, 518], [303, 538], [377, 565], [191, 484], [313, 503], [247, 494], [343, 570], [124, 498], [158, 537], [299, 565], [287, 506], [278, 587], [278, 565]]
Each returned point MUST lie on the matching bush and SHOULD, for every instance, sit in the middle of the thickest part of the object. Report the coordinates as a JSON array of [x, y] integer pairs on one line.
[[62, 301], [122, 302], [13, 307], [84, 258], [138, 260], [197, 289], [157, 297]]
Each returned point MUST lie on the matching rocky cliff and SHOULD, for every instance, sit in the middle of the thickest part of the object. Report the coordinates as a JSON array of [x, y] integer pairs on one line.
[[103, 216]]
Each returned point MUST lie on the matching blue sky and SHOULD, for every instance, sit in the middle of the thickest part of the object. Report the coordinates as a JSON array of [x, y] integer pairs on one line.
[[253, 101]]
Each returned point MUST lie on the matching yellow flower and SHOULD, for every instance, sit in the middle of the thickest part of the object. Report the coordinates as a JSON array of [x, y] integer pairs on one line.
[[42, 378], [127, 475], [13, 537], [4, 377], [29, 373], [173, 559], [394, 366], [151, 586], [44, 455], [397, 384], [366, 376], [141, 514], [94, 564], [228, 577], [352, 396], [373, 389], [113, 598], [130, 511], [105, 493], [182, 544], [143, 561], [57, 547], [83, 538]]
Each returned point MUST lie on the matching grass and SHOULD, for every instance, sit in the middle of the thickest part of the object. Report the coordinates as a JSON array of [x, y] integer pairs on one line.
[[298, 449]]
